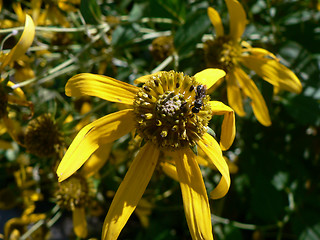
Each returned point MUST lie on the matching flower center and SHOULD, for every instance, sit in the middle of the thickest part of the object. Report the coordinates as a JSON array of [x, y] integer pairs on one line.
[[73, 192], [172, 110], [222, 53], [43, 137]]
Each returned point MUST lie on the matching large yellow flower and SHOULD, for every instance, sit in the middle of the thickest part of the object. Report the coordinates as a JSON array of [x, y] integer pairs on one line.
[[229, 52], [170, 112], [8, 95]]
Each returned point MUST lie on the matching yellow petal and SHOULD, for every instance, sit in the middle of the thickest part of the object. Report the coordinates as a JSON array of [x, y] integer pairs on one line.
[[145, 78], [238, 19], [79, 222], [194, 194], [228, 131], [209, 76], [5, 144], [273, 72], [130, 191], [101, 86], [96, 134], [170, 170], [23, 44], [234, 95], [258, 104], [210, 146], [96, 161], [260, 52], [216, 21]]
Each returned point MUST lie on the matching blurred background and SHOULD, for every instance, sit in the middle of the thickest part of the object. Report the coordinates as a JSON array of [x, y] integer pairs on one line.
[[275, 178]]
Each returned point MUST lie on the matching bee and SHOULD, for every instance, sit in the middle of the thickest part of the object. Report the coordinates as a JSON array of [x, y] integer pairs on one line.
[[200, 94]]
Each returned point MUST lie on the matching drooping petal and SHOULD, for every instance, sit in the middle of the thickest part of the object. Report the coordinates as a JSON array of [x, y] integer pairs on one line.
[[258, 104], [273, 72], [96, 134], [5, 144], [209, 76], [238, 19], [170, 170], [13, 129], [23, 44], [210, 146], [101, 86], [194, 194], [97, 160], [234, 94], [216, 21], [228, 131], [79, 222], [130, 191]]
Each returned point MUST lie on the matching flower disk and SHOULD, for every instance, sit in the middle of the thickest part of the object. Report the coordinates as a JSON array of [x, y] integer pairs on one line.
[[222, 53], [170, 111], [73, 193], [42, 137]]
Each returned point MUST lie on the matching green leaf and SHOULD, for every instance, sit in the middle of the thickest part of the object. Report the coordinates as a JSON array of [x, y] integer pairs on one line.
[[90, 11], [190, 33]]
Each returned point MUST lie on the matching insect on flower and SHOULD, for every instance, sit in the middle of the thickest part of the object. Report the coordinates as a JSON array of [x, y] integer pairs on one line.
[[200, 94]]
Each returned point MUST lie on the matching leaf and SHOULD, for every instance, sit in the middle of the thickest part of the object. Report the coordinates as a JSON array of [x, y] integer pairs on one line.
[[90, 11]]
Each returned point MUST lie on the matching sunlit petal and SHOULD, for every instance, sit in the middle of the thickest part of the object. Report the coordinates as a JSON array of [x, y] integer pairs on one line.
[[209, 76], [238, 19], [102, 131], [97, 160], [228, 131], [258, 104], [234, 94], [101, 86], [143, 79], [273, 72], [79, 222], [210, 146], [194, 194], [216, 21], [23, 44], [260, 52], [130, 191]]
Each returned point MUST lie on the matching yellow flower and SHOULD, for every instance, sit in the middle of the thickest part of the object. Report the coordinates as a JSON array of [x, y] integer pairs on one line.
[[229, 52], [170, 112], [7, 94]]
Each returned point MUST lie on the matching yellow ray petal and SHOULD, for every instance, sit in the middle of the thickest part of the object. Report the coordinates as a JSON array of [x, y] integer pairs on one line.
[[5, 144], [273, 72], [23, 44], [258, 104], [209, 76], [238, 19], [79, 222], [234, 95], [145, 78], [194, 194], [97, 160], [101, 86], [170, 170], [210, 146], [260, 52], [96, 134], [130, 191], [228, 131], [216, 21]]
